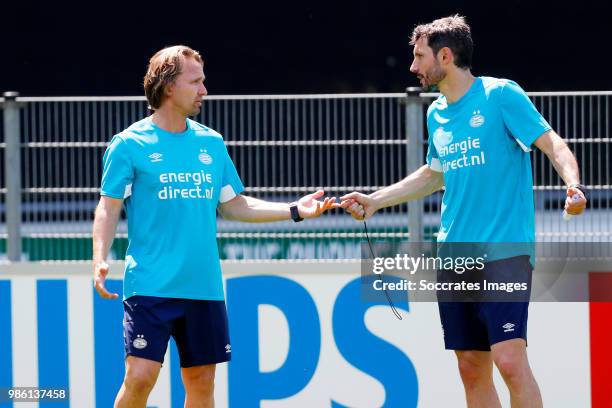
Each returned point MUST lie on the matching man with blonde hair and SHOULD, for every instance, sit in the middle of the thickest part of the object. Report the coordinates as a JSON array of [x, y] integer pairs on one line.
[[172, 174]]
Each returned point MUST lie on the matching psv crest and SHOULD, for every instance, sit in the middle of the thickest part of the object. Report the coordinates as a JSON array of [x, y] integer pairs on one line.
[[477, 119], [139, 342], [204, 157]]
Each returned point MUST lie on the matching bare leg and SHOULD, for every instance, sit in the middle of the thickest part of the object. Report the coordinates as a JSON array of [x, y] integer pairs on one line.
[[476, 369], [199, 386], [140, 377], [510, 357]]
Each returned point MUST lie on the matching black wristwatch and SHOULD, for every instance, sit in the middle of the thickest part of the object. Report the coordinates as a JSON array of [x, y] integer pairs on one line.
[[295, 214], [580, 187]]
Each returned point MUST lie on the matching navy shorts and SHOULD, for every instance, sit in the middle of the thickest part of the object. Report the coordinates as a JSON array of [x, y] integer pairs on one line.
[[199, 328], [478, 323]]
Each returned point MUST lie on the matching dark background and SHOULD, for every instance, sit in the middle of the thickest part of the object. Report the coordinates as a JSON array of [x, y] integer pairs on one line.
[[271, 47]]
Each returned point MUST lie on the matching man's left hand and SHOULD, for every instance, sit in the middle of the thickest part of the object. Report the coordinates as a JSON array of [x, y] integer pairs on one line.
[[576, 202], [310, 207]]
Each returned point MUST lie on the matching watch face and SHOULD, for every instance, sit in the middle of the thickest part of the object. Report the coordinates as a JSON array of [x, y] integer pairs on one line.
[[295, 215]]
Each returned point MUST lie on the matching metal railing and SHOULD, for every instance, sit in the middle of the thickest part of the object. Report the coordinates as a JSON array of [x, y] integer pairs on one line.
[[283, 146]]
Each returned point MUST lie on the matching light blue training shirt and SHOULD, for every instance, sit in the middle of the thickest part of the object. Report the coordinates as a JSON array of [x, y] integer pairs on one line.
[[171, 184], [481, 143]]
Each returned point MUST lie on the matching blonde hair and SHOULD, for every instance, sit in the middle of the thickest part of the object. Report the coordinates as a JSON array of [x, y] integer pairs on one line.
[[163, 69]]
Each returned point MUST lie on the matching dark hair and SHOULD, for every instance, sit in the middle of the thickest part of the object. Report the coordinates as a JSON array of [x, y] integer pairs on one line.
[[163, 69], [452, 32]]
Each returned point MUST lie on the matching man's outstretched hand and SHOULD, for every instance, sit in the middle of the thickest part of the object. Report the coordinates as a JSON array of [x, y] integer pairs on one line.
[[360, 206], [310, 207]]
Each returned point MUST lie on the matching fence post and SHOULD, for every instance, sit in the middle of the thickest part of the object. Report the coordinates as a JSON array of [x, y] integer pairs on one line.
[[414, 136], [12, 167]]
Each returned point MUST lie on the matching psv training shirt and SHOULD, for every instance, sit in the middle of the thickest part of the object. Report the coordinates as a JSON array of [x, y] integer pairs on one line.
[[171, 184], [481, 143]]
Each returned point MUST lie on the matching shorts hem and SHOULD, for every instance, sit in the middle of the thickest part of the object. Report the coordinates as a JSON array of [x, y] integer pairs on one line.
[[160, 361], [467, 348], [206, 362], [509, 338]]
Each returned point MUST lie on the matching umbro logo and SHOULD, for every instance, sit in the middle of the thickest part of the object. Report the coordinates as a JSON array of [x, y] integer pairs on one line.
[[508, 327], [156, 157], [228, 349]]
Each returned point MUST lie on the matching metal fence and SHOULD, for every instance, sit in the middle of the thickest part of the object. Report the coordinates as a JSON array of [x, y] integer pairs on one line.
[[283, 147], [583, 119]]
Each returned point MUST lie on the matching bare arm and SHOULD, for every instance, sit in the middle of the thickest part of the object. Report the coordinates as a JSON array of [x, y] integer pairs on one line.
[[104, 227], [566, 166], [421, 183], [250, 209], [560, 156]]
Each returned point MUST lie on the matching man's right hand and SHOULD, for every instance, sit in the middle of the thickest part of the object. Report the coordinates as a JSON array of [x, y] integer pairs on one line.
[[360, 206], [100, 272]]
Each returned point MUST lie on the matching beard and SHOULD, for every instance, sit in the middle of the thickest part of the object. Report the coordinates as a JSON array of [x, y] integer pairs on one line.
[[194, 112], [432, 78]]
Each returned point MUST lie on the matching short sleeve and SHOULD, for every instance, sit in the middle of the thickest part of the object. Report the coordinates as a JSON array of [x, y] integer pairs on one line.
[[433, 160], [118, 172], [520, 116], [230, 182]]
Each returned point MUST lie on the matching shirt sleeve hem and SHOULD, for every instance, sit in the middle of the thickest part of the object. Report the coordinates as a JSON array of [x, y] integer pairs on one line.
[[532, 139], [111, 195], [228, 192], [435, 165]]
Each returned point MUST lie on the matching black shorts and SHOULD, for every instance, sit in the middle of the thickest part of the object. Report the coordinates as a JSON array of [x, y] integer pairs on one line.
[[199, 328], [478, 323]]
